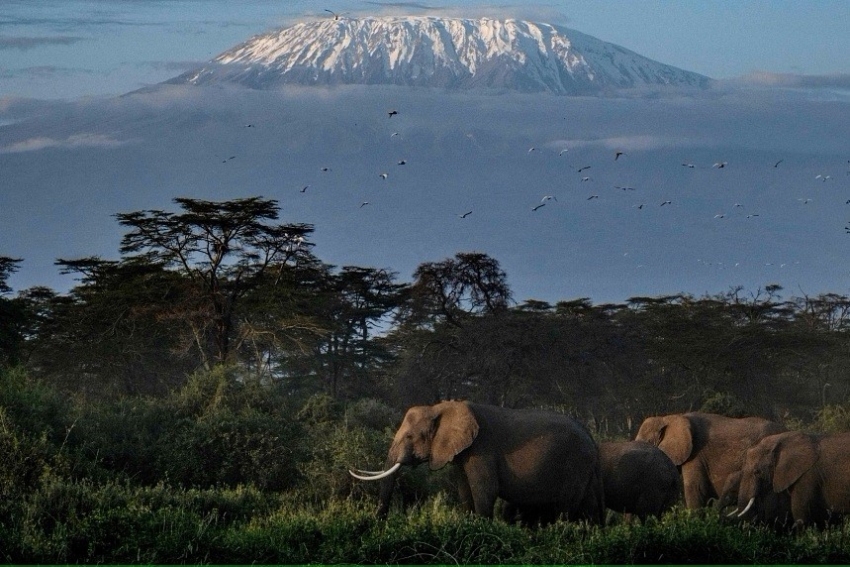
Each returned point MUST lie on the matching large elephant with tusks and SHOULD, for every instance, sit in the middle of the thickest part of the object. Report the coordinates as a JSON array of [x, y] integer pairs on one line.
[[526, 457]]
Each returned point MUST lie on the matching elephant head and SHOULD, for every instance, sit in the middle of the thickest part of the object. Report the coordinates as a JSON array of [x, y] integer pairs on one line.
[[773, 466], [432, 434], [670, 433]]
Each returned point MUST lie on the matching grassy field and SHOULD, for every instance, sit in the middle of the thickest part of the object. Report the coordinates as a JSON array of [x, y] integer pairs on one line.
[[76, 522]]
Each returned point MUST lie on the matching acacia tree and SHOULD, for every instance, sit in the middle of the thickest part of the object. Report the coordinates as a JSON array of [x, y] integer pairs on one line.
[[109, 335], [224, 249], [443, 301], [471, 283]]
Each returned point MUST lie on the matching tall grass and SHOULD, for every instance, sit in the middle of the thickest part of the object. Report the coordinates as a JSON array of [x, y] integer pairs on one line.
[[223, 472]]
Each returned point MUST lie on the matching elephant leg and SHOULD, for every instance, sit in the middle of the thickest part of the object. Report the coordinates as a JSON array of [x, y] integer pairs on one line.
[[483, 485], [696, 485], [464, 491]]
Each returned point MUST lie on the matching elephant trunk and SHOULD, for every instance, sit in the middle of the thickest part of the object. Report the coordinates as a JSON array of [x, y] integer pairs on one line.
[[387, 486]]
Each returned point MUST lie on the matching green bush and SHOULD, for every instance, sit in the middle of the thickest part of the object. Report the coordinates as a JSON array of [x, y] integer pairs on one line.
[[33, 406], [372, 414], [229, 449], [832, 419]]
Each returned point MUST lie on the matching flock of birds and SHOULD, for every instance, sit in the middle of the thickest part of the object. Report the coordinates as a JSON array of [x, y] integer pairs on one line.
[[585, 177]]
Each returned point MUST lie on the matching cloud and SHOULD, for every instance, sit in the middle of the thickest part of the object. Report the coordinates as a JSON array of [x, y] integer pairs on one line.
[[26, 43], [176, 66], [41, 71], [791, 80], [71, 142], [530, 12], [626, 143]]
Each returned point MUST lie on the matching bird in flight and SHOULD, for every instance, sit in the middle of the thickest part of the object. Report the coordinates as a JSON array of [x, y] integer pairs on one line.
[[618, 154], [804, 201], [822, 177], [777, 163], [582, 168], [689, 165], [335, 15], [586, 178], [304, 189], [363, 204], [466, 214], [548, 198], [383, 175], [562, 152], [392, 113], [394, 134], [719, 164], [593, 197], [638, 206], [541, 205], [624, 187], [531, 149], [666, 203], [326, 169], [402, 161]]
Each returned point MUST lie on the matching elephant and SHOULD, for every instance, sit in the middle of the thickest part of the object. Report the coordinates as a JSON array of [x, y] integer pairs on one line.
[[773, 509], [811, 469], [638, 478], [527, 457], [707, 447]]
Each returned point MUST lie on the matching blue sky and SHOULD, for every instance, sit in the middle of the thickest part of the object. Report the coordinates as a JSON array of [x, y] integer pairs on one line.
[[71, 48]]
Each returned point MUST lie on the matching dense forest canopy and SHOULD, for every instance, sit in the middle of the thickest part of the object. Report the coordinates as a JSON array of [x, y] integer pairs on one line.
[[223, 284]]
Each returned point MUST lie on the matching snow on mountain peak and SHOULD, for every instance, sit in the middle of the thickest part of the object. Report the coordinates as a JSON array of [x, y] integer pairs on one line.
[[437, 52]]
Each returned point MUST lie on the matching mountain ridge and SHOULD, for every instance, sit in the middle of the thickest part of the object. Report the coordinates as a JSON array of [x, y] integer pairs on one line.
[[453, 53]]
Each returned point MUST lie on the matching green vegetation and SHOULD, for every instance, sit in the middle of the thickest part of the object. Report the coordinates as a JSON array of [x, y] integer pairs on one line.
[[201, 398]]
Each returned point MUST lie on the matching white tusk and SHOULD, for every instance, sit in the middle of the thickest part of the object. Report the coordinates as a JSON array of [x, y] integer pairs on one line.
[[378, 476], [749, 505], [732, 513], [368, 473]]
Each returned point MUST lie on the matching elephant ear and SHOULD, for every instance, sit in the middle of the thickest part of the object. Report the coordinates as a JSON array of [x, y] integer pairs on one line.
[[456, 429], [792, 456], [676, 438]]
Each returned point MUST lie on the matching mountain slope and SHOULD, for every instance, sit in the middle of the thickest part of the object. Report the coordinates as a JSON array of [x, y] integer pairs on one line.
[[437, 52]]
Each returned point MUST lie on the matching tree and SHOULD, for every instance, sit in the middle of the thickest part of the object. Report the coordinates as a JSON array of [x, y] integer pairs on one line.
[[224, 249], [113, 333], [471, 283], [13, 316]]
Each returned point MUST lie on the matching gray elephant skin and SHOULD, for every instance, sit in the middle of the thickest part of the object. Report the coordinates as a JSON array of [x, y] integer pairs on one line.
[[638, 478], [813, 470], [707, 448], [530, 458]]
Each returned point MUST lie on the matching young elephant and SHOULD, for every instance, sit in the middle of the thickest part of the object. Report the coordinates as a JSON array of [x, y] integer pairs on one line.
[[638, 478], [526, 457], [811, 469], [708, 448]]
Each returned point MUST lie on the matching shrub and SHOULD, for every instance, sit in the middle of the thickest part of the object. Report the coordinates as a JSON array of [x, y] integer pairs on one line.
[[226, 448]]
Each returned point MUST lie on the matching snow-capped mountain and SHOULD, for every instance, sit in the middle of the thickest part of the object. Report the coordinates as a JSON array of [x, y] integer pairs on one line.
[[437, 52]]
